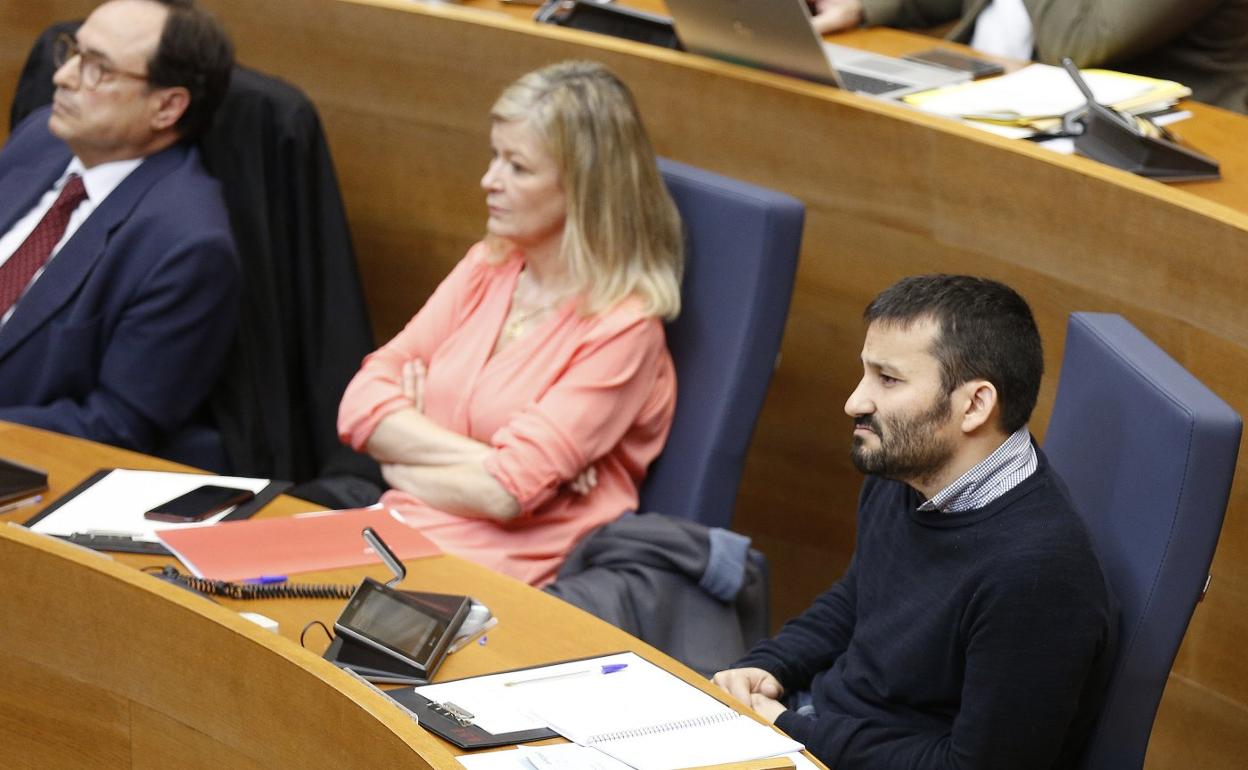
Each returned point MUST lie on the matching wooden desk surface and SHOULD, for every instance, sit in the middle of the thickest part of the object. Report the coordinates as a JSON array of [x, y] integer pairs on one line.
[[533, 627], [522, 611], [1217, 132]]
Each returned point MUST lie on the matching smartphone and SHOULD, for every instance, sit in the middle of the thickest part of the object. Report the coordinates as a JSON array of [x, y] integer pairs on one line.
[[199, 504], [941, 57]]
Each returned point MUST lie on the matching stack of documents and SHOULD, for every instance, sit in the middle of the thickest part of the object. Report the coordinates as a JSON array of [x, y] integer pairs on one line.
[[1035, 97], [620, 705], [112, 504]]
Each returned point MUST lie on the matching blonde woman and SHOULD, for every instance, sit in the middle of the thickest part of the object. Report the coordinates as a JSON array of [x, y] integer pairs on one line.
[[521, 406]]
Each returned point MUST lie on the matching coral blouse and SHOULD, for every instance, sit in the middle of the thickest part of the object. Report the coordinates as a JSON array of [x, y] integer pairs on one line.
[[576, 390]]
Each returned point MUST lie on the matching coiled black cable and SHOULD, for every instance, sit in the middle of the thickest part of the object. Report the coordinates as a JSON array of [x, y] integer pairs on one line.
[[256, 591]]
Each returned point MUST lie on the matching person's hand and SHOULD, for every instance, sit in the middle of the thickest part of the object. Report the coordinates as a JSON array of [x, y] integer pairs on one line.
[[837, 15], [584, 483], [413, 383], [746, 683], [767, 708]]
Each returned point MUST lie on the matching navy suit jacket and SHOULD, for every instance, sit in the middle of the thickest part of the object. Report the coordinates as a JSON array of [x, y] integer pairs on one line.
[[125, 333]]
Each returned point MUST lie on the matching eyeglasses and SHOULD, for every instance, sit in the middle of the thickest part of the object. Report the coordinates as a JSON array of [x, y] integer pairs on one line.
[[92, 68]]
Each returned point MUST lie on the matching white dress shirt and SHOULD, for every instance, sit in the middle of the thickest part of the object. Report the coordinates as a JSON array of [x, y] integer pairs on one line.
[[99, 181], [1004, 29]]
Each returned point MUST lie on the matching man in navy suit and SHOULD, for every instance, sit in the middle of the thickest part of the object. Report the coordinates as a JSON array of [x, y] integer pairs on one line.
[[119, 282]]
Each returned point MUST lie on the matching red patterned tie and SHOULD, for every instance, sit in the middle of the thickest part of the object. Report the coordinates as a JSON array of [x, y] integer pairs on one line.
[[15, 274]]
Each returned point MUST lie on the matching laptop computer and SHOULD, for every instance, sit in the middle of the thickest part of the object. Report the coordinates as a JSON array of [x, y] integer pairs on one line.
[[777, 35]]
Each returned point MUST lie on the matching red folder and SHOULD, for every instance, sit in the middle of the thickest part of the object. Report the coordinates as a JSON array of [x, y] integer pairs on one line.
[[309, 542]]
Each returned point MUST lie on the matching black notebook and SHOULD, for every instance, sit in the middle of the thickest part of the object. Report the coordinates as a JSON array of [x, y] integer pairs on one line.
[[18, 482]]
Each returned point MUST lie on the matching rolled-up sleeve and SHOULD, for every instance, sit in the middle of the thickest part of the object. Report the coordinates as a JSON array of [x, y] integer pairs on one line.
[[620, 383], [377, 389]]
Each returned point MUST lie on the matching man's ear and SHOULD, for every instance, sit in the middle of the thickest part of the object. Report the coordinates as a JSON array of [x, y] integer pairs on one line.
[[980, 404], [171, 104]]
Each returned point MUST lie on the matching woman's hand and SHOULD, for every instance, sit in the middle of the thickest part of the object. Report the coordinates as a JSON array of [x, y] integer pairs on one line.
[[585, 481], [408, 437], [412, 382]]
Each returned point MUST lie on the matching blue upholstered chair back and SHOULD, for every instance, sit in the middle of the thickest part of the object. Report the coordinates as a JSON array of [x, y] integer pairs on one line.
[[1148, 454], [742, 243]]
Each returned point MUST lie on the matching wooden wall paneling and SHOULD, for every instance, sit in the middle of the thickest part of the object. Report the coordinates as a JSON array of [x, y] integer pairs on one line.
[[20, 23]]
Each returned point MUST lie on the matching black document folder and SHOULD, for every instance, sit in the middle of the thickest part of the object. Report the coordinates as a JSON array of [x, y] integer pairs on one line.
[[18, 482], [446, 721]]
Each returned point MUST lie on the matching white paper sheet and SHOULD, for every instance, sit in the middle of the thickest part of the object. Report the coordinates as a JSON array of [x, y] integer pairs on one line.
[[647, 717], [566, 755], [668, 722], [507, 702], [116, 503], [1036, 90]]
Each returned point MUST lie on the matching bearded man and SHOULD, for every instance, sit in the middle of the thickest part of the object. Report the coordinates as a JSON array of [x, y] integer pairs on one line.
[[974, 626]]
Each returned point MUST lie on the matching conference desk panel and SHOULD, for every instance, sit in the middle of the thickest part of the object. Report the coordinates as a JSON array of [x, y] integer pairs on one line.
[[404, 90], [103, 666]]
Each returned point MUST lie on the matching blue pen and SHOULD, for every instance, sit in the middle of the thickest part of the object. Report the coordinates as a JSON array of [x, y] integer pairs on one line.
[[610, 668], [265, 580]]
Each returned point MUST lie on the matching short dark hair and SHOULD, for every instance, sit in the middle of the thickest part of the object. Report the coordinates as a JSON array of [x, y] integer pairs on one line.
[[985, 330], [195, 53]]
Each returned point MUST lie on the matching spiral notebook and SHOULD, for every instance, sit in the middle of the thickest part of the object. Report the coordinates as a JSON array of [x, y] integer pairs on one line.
[[634, 711]]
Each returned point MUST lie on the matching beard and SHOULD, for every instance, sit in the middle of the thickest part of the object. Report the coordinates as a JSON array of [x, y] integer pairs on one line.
[[910, 447]]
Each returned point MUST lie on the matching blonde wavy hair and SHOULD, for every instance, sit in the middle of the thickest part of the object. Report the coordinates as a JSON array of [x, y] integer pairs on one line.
[[622, 235]]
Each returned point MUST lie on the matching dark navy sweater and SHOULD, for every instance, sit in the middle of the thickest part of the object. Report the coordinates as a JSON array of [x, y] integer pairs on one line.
[[981, 639]]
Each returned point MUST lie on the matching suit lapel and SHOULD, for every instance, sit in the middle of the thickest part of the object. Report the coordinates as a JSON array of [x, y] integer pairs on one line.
[[24, 184], [78, 257]]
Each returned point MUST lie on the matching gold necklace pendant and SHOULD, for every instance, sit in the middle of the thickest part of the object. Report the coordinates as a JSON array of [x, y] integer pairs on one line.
[[513, 328]]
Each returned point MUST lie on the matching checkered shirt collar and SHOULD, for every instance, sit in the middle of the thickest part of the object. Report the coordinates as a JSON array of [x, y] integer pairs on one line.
[[996, 474]]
